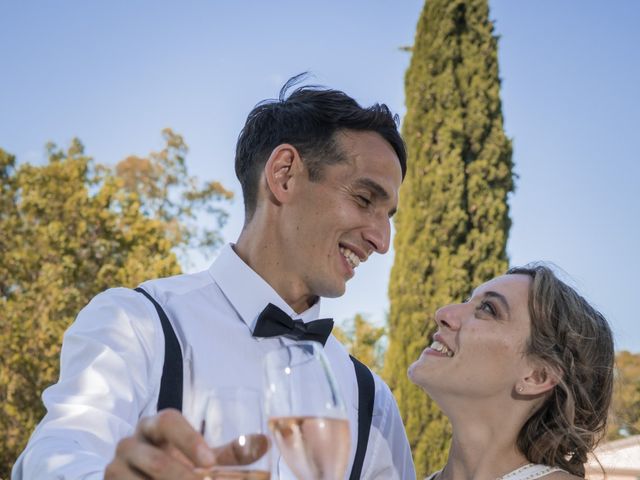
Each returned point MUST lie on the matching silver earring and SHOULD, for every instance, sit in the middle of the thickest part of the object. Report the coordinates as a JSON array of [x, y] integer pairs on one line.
[[520, 389]]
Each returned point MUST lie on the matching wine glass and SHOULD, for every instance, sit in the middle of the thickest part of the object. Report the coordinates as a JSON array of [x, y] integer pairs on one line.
[[232, 424], [306, 413]]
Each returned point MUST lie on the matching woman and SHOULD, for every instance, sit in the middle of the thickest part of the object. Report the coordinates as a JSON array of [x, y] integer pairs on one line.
[[524, 371]]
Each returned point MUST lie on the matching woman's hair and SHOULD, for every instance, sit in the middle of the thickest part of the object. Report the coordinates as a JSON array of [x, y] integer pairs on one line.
[[574, 341]]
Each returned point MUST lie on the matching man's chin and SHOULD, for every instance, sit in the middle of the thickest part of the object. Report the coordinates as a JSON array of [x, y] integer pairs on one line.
[[334, 291]]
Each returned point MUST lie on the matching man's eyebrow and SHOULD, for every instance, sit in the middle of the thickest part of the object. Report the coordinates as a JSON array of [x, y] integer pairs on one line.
[[376, 189]]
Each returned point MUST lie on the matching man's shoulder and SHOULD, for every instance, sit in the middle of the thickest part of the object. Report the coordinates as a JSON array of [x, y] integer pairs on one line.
[[117, 316], [166, 289], [157, 287], [112, 298]]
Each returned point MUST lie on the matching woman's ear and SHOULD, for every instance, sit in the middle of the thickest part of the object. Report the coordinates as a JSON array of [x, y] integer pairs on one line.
[[281, 170], [541, 378]]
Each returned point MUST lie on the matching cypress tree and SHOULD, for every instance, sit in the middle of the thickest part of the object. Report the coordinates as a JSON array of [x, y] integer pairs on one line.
[[453, 220]]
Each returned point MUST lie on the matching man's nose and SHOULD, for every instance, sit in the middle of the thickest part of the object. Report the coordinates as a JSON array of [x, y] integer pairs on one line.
[[378, 234]]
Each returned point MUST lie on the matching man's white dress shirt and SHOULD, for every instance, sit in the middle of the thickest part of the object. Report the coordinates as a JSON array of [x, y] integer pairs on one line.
[[112, 359]]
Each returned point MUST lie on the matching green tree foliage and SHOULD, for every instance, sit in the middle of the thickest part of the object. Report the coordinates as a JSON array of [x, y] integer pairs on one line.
[[625, 414], [68, 230], [364, 341], [167, 192], [453, 222]]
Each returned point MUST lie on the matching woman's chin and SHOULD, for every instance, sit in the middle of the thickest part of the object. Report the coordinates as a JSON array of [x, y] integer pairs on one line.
[[419, 373], [410, 372]]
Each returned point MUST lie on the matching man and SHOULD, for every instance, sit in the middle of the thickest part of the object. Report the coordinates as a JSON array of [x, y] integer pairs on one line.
[[320, 177]]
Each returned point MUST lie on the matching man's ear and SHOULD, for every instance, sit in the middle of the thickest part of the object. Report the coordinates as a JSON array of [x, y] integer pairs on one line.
[[282, 169], [540, 379]]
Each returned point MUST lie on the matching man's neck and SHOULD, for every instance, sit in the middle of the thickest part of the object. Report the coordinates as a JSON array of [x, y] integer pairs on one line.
[[262, 254]]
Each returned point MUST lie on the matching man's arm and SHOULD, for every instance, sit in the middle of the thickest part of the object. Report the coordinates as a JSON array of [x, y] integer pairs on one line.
[[111, 364], [388, 454]]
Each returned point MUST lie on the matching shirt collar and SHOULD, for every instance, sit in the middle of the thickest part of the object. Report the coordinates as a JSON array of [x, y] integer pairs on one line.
[[248, 292]]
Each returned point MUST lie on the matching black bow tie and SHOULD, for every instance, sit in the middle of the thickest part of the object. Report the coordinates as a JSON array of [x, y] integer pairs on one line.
[[273, 322]]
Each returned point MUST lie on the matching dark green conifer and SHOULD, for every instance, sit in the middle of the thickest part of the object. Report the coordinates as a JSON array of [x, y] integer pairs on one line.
[[453, 220]]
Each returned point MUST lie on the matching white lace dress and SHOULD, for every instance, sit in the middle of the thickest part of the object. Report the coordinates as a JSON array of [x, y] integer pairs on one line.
[[528, 472]]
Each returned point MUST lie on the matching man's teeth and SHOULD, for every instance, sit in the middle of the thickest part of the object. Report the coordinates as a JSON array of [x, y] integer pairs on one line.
[[439, 347], [351, 257]]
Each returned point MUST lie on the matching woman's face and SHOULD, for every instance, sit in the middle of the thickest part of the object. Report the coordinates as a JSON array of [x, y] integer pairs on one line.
[[478, 349]]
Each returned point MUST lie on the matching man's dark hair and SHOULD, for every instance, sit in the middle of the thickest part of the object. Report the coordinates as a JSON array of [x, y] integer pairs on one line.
[[308, 119]]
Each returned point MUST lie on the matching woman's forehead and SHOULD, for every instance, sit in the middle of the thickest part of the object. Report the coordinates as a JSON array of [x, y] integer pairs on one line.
[[514, 287]]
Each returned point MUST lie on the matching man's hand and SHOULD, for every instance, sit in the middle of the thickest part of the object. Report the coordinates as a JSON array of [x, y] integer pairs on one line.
[[245, 452], [165, 447]]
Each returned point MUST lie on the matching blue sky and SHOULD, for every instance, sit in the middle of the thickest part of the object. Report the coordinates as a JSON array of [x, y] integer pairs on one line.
[[115, 73]]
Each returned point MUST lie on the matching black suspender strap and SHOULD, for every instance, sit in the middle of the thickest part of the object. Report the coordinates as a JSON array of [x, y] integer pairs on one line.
[[171, 380], [366, 394], [171, 386]]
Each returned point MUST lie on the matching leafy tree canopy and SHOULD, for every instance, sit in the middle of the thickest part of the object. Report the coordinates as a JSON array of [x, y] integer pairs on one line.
[[364, 341], [70, 229], [453, 219], [625, 414]]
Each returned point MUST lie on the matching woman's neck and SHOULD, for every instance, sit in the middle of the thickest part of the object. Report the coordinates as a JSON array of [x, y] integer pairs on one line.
[[484, 444]]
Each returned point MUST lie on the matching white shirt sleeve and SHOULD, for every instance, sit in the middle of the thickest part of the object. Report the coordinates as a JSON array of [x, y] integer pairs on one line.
[[109, 355], [388, 453]]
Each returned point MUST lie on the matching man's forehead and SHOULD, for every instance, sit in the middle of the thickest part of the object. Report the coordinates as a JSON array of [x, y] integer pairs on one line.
[[352, 142], [372, 162]]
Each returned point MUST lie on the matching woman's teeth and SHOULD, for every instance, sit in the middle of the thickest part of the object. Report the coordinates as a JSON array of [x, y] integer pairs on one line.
[[439, 347], [351, 257]]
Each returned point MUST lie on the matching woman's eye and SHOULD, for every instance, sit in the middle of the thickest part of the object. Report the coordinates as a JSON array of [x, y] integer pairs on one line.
[[488, 308]]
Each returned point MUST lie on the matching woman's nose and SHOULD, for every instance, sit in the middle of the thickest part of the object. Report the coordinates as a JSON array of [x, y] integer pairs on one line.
[[449, 317]]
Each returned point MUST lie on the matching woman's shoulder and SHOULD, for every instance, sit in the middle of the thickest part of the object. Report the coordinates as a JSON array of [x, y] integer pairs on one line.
[[557, 475], [562, 475], [540, 471]]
